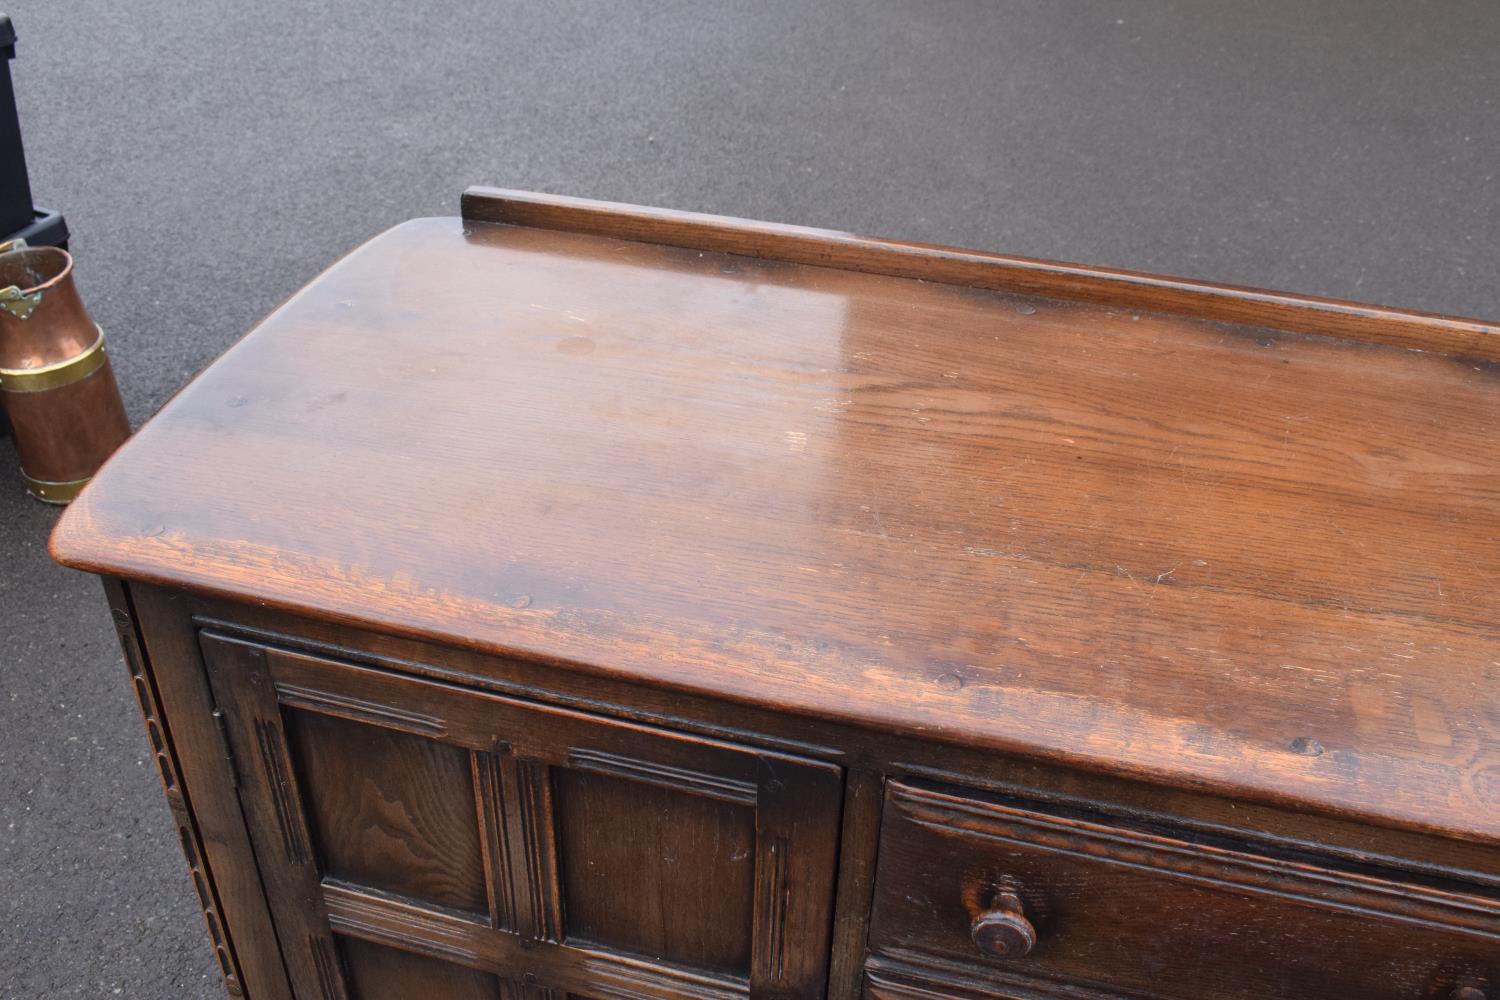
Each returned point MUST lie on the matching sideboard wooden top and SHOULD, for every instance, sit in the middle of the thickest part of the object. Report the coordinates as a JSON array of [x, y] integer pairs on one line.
[[1206, 537]]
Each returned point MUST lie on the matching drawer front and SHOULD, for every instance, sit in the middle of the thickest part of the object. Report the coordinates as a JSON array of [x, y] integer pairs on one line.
[[423, 839], [1087, 901], [896, 981]]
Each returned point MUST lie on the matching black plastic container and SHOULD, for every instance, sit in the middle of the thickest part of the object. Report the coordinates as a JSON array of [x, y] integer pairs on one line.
[[19, 216]]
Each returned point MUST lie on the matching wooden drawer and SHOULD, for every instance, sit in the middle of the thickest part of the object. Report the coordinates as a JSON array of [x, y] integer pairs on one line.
[[1140, 910], [422, 839]]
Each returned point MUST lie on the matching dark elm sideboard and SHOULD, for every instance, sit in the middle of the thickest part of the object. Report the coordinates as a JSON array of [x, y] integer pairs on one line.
[[582, 600]]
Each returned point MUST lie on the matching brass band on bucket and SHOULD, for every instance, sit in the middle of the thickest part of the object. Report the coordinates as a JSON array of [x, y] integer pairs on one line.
[[57, 374], [54, 492]]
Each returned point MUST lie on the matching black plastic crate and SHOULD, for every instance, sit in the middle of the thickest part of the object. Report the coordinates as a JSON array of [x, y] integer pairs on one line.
[[19, 216]]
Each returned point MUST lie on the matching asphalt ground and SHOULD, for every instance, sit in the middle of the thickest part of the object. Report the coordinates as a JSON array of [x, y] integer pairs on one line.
[[211, 157]]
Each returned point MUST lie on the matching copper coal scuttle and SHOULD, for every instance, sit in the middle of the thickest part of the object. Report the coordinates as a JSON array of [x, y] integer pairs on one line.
[[56, 384]]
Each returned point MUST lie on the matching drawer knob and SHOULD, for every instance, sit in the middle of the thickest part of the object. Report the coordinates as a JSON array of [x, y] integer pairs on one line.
[[1470, 993], [1002, 931]]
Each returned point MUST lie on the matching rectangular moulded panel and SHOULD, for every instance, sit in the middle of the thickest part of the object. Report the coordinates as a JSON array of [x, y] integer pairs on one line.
[[376, 972], [657, 871], [389, 810]]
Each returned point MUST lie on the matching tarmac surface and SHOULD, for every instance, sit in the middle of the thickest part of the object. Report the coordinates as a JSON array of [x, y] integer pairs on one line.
[[211, 157]]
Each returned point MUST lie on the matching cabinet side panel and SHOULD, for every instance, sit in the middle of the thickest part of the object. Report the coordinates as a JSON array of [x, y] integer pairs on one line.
[[158, 635]]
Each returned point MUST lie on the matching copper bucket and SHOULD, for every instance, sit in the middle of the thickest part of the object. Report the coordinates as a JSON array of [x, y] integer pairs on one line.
[[55, 380]]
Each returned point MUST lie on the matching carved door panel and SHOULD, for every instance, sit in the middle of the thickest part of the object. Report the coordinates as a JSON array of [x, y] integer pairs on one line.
[[420, 839]]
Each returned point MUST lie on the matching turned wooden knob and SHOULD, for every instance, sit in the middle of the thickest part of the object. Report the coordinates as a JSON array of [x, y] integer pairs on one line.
[[1470, 993], [1002, 931]]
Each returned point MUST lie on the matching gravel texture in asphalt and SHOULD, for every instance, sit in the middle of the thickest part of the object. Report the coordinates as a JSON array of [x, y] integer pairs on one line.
[[211, 157]]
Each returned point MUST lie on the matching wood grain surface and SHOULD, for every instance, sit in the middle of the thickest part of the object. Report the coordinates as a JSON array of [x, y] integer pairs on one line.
[[1138, 542], [389, 810], [378, 973], [695, 853]]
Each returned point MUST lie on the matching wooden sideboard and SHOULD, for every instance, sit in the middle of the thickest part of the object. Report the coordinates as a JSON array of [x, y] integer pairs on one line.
[[581, 600]]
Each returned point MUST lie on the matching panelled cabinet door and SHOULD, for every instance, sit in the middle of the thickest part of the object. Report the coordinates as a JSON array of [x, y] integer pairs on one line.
[[419, 839]]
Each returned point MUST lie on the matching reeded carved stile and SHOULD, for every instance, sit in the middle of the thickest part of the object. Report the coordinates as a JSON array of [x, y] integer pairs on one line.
[[144, 687]]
